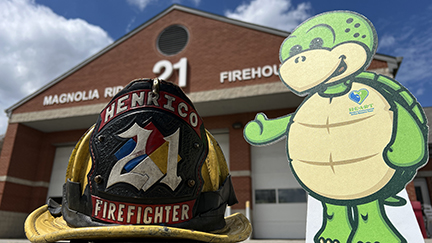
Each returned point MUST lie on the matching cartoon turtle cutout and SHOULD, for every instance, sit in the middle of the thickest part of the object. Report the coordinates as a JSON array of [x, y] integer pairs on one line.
[[357, 139]]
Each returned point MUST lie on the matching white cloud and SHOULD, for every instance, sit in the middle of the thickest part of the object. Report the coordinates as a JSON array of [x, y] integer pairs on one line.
[[141, 4], [279, 14], [129, 26], [386, 41], [411, 38], [37, 45], [417, 62], [196, 2]]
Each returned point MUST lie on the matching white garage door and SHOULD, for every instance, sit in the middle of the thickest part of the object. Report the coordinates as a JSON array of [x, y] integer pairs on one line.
[[279, 202], [58, 174]]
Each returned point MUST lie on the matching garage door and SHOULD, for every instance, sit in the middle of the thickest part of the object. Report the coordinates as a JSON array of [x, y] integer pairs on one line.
[[279, 202], [58, 174]]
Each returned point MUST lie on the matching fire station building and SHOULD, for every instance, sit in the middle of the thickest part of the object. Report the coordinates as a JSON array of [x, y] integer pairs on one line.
[[228, 68]]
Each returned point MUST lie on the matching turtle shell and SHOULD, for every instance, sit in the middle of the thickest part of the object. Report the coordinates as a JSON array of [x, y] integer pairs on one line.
[[335, 144]]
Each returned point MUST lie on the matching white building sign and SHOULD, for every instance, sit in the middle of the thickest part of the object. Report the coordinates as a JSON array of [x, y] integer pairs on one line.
[[168, 68]]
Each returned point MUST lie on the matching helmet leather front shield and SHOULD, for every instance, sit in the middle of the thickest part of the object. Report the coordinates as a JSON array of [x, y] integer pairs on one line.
[[147, 148]]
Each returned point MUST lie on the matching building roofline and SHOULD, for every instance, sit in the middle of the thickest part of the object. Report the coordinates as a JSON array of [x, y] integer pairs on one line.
[[393, 62], [138, 29]]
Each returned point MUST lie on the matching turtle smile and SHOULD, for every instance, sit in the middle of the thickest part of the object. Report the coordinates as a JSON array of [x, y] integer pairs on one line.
[[342, 67]]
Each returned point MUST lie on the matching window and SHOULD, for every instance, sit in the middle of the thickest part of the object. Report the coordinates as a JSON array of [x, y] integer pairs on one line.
[[265, 196], [283, 195], [295, 195]]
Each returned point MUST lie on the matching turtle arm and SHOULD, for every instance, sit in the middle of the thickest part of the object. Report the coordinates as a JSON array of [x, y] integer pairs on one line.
[[262, 130], [408, 146]]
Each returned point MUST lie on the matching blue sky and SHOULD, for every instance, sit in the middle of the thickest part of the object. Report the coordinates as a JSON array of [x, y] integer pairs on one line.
[[42, 39]]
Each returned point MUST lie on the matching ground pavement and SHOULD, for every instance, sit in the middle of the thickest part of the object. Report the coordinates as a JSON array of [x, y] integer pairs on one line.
[[247, 241]]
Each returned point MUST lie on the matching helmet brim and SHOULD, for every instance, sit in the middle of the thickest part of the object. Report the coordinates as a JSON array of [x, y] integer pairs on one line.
[[41, 226]]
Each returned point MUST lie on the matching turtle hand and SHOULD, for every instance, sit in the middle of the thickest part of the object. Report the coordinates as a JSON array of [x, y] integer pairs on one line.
[[263, 131], [254, 129]]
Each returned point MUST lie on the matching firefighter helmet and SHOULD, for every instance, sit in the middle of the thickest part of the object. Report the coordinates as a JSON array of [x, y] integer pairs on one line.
[[146, 169]]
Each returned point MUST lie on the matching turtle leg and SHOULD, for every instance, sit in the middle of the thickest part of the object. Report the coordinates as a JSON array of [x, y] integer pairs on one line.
[[336, 226], [374, 225]]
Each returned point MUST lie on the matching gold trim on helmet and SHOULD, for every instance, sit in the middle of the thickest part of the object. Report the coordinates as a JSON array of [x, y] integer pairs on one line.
[[41, 227]]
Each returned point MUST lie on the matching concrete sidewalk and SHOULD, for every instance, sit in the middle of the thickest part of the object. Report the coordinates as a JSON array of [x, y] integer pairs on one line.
[[297, 241], [247, 241]]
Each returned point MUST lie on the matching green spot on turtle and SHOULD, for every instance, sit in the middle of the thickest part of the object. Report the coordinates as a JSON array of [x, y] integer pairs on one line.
[[366, 75], [338, 25], [419, 114], [407, 97], [388, 82]]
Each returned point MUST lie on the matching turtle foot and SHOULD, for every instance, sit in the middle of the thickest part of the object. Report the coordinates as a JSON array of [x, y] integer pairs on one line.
[[374, 225], [381, 237], [336, 227], [328, 240]]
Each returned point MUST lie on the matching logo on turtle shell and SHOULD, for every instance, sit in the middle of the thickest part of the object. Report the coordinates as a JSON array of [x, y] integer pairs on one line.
[[146, 157], [358, 96]]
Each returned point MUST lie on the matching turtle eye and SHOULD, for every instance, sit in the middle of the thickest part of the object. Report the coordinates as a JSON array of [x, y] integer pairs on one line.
[[295, 50], [316, 43]]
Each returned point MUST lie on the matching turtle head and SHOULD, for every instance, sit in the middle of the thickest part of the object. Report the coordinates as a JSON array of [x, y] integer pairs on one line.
[[326, 49]]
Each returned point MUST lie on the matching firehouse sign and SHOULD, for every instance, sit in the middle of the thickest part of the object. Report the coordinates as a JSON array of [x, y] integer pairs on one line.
[[164, 69], [249, 73]]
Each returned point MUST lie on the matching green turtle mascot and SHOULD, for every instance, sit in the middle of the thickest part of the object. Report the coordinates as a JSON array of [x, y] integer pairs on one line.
[[358, 137]]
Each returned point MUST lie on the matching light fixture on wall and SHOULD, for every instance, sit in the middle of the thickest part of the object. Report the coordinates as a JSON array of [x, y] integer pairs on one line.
[[237, 125]]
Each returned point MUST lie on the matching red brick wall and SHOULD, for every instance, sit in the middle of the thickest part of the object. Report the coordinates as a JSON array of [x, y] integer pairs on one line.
[[411, 191], [375, 64], [7, 149], [428, 167], [28, 154], [243, 189]]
